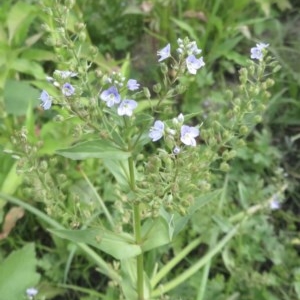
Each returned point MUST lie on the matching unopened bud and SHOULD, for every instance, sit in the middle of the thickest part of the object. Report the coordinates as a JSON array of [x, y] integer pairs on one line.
[[147, 93]]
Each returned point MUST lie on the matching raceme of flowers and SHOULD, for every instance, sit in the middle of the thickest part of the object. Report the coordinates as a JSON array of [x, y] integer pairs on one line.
[[67, 88], [187, 50], [111, 95], [257, 52], [188, 134]]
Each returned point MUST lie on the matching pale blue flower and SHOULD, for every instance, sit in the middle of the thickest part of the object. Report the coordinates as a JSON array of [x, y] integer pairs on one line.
[[192, 49], [68, 90], [164, 52], [193, 63], [126, 107], [65, 74], [133, 85], [46, 100], [188, 135], [257, 52], [274, 205], [111, 96], [31, 292], [176, 150], [157, 131]]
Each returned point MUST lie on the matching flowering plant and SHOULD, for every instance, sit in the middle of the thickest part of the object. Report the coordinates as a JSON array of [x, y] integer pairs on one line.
[[164, 163]]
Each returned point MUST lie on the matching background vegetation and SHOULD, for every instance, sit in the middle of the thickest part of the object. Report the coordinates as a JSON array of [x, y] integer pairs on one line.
[[262, 262]]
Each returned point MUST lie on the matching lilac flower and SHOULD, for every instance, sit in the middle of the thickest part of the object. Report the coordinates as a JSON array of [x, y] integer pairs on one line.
[[65, 74], [193, 49], [68, 90], [126, 107], [111, 96], [49, 78], [46, 100], [274, 205], [31, 292], [176, 150], [188, 135], [193, 64], [133, 85], [256, 52], [164, 52], [157, 131]]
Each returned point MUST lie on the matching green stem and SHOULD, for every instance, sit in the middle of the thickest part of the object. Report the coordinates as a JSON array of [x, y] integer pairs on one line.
[[140, 257], [138, 233]]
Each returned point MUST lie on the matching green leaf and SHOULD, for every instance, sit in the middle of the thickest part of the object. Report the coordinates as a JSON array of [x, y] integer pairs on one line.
[[94, 149], [11, 181], [223, 223], [204, 200], [119, 169], [120, 246], [176, 222], [129, 279], [155, 234], [18, 95], [28, 67], [38, 55], [20, 14], [17, 273], [186, 27]]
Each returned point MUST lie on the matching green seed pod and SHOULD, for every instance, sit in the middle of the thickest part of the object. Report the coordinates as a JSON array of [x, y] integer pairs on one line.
[[243, 130], [228, 95], [232, 154], [227, 134], [225, 155], [252, 69], [181, 210], [240, 143], [270, 82], [261, 107], [257, 118], [180, 88], [243, 75], [224, 167], [43, 166]]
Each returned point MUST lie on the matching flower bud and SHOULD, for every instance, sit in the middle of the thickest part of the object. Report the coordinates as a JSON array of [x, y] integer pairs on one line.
[[157, 88], [164, 68], [147, 93]]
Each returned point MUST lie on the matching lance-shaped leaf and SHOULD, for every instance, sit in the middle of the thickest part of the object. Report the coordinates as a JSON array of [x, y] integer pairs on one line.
[[94, 149], [155, 234], [120, 246]]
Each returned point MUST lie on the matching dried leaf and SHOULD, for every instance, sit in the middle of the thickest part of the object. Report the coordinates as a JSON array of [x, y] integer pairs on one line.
[[11, 218], [195, 15]]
